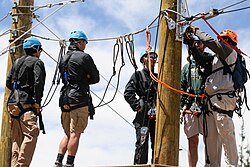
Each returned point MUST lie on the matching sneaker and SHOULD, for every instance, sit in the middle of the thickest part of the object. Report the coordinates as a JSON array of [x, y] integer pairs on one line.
[[58, 164], [68, 165]]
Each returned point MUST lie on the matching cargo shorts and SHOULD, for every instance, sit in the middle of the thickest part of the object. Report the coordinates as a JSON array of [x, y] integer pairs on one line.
[[75, 121], [193, 125]]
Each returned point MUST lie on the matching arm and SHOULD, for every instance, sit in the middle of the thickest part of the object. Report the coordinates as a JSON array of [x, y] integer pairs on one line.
[[217, 47], [92, 71], [9, 78], [39, 80], [130, 93]]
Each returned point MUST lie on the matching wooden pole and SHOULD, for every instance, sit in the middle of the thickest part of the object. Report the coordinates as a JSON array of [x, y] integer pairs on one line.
[[169, 69], [21, 22]]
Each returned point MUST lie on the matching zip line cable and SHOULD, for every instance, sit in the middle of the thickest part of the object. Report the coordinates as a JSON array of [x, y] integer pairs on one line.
[[5, 32], [111, 84], [235, 10], [50, 5], [32, 28], [47, 28], [233, 5]]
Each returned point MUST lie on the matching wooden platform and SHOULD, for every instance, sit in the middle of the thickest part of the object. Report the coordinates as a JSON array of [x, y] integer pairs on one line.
[[152, 165]]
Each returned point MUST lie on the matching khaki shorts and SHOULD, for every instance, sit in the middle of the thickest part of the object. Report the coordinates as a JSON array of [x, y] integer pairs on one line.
[[193, 125], [75, 121]]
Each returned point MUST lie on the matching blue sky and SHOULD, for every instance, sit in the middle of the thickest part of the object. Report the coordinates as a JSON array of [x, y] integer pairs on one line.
[[109, 140]]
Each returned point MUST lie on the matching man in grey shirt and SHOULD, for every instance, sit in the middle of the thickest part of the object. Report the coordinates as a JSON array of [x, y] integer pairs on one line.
[[219, 88]]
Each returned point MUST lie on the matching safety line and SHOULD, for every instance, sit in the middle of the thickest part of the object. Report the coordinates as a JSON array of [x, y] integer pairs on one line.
[[148, 39], [224, 41]]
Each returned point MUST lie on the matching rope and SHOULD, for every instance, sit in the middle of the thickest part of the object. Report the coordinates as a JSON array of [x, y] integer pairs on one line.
[[148, 39], [110, 83], [224, 41], [56, 75]]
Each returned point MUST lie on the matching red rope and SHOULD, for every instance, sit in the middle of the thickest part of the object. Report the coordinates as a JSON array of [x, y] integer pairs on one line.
[[223, 40]]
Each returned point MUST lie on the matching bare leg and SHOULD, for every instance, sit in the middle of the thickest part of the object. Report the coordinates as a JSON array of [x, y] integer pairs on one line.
[[193, 150], [73, 143], [63, 145]]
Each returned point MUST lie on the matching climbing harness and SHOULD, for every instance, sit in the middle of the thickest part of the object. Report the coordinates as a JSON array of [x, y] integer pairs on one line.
[[19, 107]]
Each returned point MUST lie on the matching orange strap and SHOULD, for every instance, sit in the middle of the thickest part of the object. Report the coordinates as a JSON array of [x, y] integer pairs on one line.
[[148, 39]]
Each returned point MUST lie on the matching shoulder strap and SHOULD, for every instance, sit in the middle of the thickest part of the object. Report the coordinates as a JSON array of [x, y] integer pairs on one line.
[[65, 69], [226, 66], [18, 65]]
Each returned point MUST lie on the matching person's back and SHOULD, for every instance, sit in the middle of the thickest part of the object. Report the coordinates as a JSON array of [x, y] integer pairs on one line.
[[78, 71], [26, 81], [80, 66]]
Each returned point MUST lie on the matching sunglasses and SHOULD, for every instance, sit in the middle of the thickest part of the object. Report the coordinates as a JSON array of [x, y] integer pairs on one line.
[[152, 57]]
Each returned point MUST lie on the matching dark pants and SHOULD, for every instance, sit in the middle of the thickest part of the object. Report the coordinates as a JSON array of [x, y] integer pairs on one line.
[[141, 151]]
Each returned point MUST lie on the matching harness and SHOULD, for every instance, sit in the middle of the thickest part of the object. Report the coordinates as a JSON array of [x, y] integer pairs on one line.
[[17, 67], [64, 105], [15, 88], [231, 94], [150, 103]]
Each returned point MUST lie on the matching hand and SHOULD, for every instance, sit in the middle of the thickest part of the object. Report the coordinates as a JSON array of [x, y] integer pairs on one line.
[[193, 29]]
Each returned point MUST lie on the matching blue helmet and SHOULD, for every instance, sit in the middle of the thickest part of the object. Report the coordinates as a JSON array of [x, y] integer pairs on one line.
[[80, 35], [31, 42], [144, 53]]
